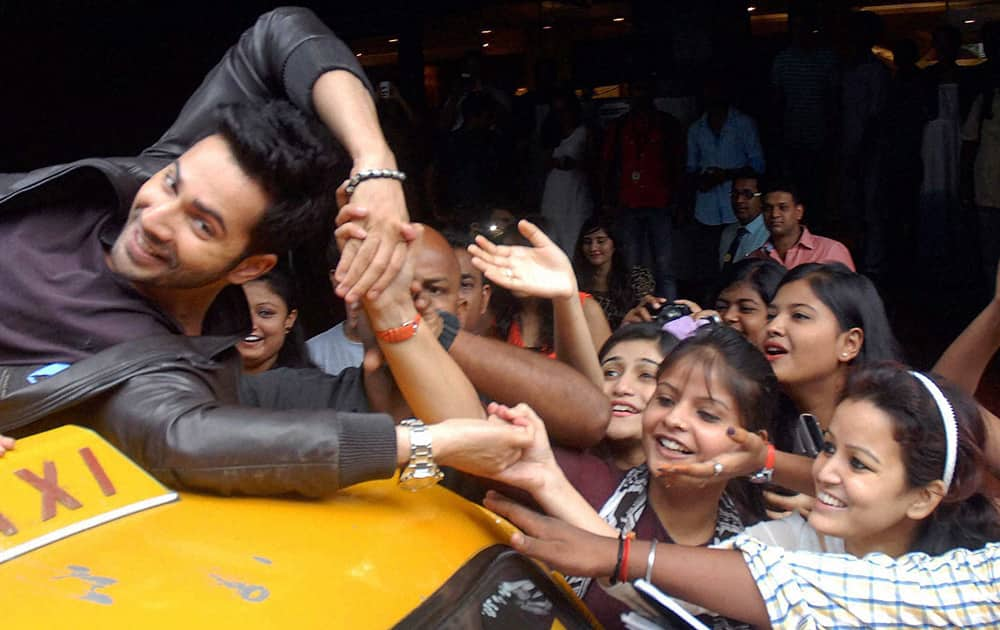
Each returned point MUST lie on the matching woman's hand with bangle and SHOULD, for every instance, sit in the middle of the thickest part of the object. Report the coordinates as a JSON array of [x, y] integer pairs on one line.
[[542, 270], [749, 456], [568, 549]]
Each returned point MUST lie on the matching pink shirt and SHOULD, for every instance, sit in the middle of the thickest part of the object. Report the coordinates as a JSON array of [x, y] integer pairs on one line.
[[809, 249]]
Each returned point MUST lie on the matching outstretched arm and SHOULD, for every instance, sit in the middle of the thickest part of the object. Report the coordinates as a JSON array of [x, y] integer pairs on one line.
[[538, 472], [717, 579], [749, 455], [432, 383], [289, 53], [575, 411], [366, 265], [965, 360], [544, 271]]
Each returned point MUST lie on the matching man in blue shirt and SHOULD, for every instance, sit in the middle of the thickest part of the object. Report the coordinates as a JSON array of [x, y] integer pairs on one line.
[[749, 233], [719, 144]]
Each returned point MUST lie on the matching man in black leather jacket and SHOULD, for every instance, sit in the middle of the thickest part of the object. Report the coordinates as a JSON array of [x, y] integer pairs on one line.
[[169, 400]]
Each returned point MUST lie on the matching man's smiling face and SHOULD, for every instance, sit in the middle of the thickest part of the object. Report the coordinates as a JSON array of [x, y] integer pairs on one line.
[[191, 223]]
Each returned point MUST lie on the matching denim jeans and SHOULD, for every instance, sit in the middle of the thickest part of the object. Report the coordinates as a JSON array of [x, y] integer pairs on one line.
[[646, 235]]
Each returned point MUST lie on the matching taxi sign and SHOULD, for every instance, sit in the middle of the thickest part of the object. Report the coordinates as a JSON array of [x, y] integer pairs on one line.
[[64, 481]]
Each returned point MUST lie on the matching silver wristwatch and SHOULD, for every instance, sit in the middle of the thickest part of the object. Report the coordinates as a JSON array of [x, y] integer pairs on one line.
[[421, 471]]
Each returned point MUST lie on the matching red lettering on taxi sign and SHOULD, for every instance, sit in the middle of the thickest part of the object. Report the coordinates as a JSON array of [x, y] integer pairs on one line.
[[97, 471], [6, 527], [49, 487]]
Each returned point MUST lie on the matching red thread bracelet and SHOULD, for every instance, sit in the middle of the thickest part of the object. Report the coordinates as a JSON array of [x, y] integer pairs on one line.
[[623, 576], [769, 460]]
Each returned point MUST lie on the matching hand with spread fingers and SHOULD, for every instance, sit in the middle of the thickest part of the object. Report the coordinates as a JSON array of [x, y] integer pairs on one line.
[[6, 444], [541, 270], [373, 250], [741, 462], [566, 548]]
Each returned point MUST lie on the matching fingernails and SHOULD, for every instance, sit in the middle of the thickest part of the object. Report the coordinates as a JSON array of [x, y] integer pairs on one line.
[[731, 431]]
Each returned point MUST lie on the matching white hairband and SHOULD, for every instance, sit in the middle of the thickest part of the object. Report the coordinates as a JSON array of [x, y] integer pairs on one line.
[[950, 427]]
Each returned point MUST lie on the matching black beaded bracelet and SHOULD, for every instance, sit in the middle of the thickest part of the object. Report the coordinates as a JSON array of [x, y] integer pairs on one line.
[[621, 550], [373, 173]]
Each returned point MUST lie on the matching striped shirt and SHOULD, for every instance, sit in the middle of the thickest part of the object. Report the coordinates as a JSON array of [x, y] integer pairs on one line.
[[812, 590]]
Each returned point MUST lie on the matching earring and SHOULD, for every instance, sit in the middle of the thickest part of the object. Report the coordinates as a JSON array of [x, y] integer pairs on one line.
[[843, 354], [289, 329]]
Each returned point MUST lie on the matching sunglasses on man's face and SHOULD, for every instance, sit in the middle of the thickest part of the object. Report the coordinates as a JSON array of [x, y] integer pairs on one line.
[[746, 193]]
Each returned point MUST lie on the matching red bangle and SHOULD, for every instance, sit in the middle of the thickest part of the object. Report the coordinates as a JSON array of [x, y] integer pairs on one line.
[[623, 576], [769, 460], [399, 333]]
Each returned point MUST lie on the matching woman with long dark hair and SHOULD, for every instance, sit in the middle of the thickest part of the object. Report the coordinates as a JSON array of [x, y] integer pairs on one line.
[[601, 271], [277, 339], [711, 383]]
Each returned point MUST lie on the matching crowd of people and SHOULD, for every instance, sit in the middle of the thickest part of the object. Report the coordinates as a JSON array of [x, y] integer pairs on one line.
[[733, 445]]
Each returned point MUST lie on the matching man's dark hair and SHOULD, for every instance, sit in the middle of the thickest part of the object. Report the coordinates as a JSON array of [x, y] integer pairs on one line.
[[747, 173], [783, 185], [292, 157]]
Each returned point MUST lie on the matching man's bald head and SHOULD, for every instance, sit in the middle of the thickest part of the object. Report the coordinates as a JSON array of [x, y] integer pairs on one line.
[[436, 270]]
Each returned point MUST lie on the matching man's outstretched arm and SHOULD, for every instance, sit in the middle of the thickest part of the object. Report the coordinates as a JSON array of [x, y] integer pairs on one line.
[[289, 53], [576, 413]]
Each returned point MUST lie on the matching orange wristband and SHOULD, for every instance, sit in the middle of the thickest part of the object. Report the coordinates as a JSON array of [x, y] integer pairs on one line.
[[399, 333], [769, 460]]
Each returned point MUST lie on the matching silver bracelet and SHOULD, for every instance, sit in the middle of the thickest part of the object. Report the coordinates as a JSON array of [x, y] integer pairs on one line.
[[373, 173], [650, 559]]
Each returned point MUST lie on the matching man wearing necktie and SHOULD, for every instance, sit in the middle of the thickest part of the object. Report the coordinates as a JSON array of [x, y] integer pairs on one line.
[[749, 234]]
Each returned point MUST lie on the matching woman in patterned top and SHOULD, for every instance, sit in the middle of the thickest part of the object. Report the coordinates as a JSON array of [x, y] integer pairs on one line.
[[601, 272], [711, 382], [901, 472]]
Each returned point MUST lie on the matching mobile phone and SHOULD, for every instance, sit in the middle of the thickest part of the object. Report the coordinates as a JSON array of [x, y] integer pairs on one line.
[[807, 438]]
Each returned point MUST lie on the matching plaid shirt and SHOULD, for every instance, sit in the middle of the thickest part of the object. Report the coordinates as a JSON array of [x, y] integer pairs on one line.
[[814, 590]]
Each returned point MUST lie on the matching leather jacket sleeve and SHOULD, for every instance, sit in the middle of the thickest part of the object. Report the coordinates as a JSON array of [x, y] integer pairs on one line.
[[281, 55], [170, 403], [183, 425]]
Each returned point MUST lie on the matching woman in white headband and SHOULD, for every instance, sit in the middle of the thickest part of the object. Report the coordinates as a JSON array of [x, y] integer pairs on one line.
[[900, 471]]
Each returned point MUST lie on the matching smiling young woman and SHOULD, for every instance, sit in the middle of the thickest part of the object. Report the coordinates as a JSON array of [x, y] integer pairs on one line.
[[601, 270], [276, 340], [630, 360], [711, 382], [900, 471]]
